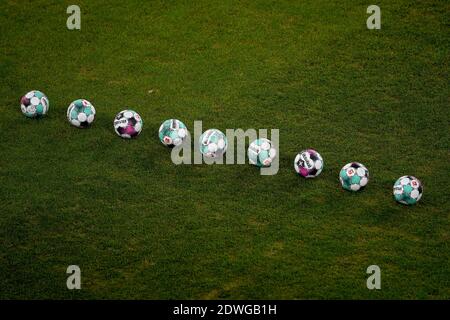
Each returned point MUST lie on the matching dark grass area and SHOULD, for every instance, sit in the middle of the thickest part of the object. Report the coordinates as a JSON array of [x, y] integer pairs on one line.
[[140, 227]]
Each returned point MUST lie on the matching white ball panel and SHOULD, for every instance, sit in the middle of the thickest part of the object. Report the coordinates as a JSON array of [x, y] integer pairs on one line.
[[31, 109], [405, 181], [182, 133], [415, 194], [138, 126], [318, 164], [273, 153], [361, 172], [212, 147], [82, 117], [363, 181], [265, 145], [35, 101]]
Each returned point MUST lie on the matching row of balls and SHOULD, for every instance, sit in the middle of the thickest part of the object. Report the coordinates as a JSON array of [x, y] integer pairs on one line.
[[308, 163], [213, 143], [81, 114]]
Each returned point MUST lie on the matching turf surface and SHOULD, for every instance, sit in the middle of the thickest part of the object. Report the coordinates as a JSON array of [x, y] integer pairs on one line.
[[140, 227]]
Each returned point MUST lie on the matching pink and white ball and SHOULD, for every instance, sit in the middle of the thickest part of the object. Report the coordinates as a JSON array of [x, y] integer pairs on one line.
[[128, 124], [308, 163]]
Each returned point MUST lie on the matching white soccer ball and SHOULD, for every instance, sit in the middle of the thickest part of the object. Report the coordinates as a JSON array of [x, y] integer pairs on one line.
[[261, 152], [172, 132], [128, 124], [354, 176], [213, 143], [81, 113], [34, 104], [308, 163], [408, 190]]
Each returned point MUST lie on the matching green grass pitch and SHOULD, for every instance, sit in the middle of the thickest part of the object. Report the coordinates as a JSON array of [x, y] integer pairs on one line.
[[140, 227]]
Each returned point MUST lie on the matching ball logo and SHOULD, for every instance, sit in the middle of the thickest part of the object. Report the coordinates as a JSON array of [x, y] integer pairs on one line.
[[414, 183], [121, 121], [31, 109], [167, 140], [174, 125], [350, 172], [306, 161], [44, 102]]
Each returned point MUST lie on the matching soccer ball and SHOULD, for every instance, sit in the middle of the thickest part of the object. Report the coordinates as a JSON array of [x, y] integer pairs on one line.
[[261, 153], [354, 176], [34, 104], [408, 190], [172, 132], [128, 124], [308, 163], [213, 143], [81, 113]]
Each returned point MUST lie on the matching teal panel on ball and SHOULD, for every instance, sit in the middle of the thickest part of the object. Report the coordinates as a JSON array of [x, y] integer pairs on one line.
[[355, 179], [78, 103], [88, 111], [263, 155], [346, 186], [407, 189], [343, 174], [73, 114], [173, 134], [213, 138]]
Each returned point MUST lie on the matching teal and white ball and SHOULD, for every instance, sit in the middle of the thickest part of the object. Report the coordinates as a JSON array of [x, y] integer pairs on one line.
[[408, 190], [172, 132], [81, 113], [213, 143], [34, 104], [354, 176], [261, 152]]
